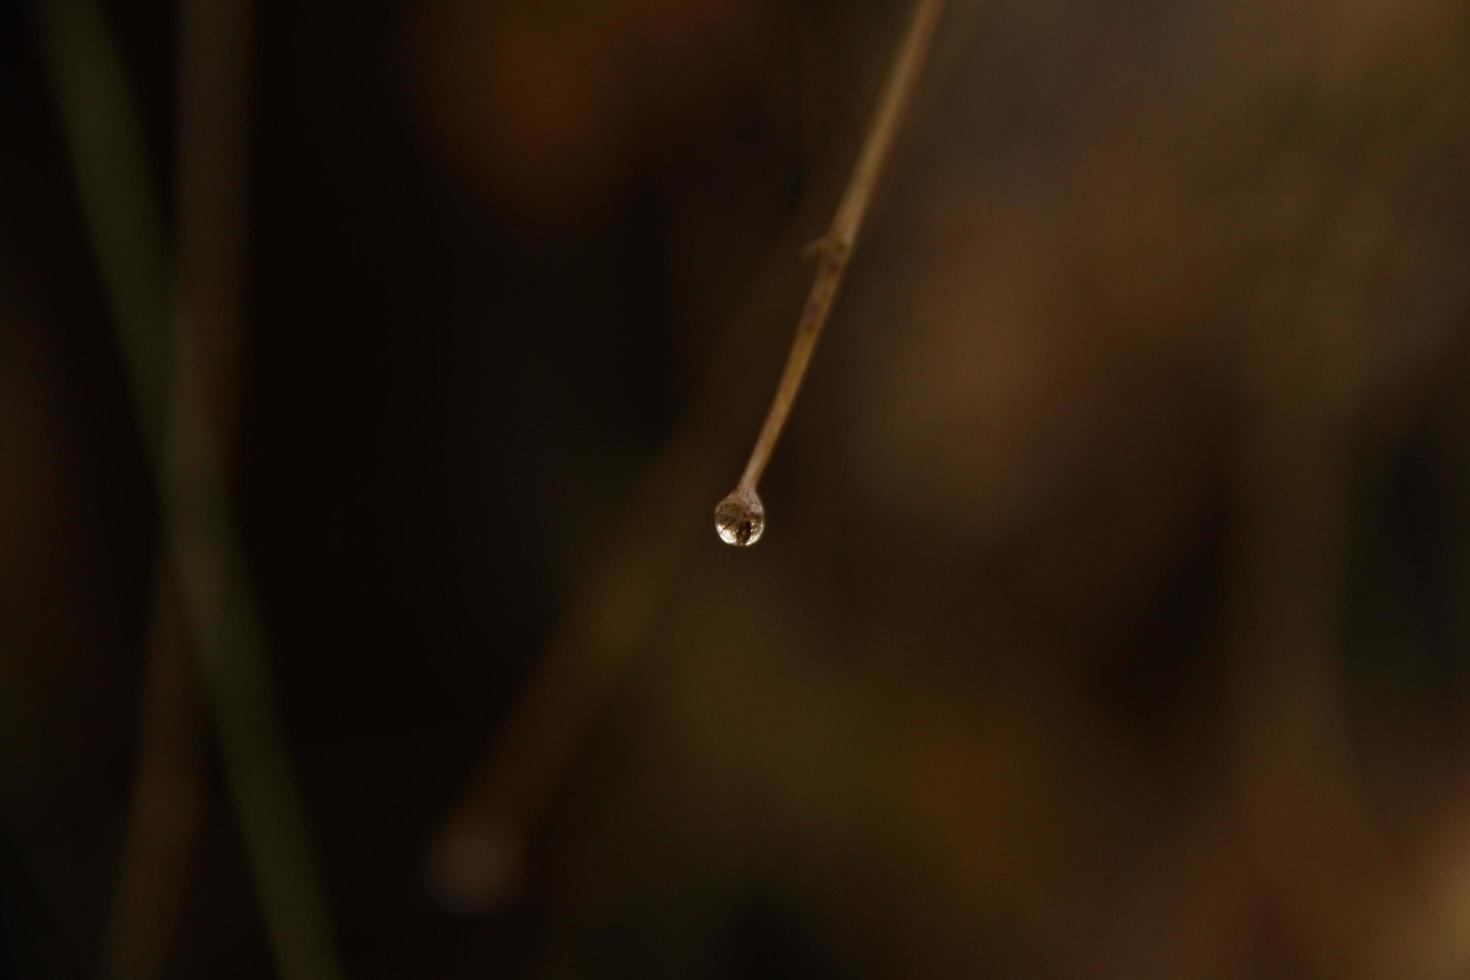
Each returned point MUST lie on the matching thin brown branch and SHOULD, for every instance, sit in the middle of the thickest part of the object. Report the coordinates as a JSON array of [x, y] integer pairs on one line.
[[835, 248], [478, 857]]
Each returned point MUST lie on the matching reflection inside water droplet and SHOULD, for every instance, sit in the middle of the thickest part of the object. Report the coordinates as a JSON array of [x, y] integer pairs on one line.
[[740, 519]]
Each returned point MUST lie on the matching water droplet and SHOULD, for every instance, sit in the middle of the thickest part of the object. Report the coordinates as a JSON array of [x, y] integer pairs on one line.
[[740, 519]]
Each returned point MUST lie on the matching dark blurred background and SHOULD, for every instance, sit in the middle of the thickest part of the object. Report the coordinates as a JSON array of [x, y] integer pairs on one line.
[[1113, 618]]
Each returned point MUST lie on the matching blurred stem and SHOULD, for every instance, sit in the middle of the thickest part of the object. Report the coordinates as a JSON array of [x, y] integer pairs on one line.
[[167, 798], [168, 786], [166, 373], [115, 191]]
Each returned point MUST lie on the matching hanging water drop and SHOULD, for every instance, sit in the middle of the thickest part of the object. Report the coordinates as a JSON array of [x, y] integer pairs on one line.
[[740, 519]]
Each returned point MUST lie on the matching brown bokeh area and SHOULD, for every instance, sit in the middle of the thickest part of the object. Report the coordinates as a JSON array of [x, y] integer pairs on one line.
[[1112, 617]]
